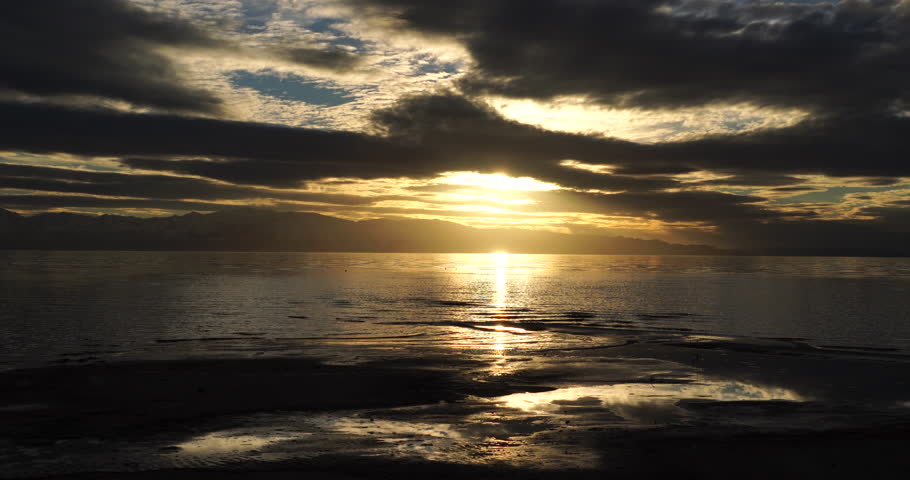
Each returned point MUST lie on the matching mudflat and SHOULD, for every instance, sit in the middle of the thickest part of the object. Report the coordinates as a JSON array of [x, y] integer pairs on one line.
[[693, 407]]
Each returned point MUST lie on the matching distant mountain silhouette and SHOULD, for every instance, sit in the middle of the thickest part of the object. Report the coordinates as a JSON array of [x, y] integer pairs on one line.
[[247, 229]]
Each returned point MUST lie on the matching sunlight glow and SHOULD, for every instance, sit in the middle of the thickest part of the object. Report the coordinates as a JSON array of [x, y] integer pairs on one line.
[[495, 181], [500, 288], [604, 169], [577, 114]]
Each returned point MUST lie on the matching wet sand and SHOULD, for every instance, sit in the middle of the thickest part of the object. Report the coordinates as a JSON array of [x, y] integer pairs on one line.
[[692, 407]]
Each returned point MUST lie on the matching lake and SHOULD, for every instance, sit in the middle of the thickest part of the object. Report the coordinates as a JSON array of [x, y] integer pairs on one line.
[[494, 365], [72, 306]]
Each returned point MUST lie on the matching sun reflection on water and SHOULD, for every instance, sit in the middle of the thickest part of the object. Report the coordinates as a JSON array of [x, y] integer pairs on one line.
[[500, 284], [499, 335], [501, 323], [500, 328]]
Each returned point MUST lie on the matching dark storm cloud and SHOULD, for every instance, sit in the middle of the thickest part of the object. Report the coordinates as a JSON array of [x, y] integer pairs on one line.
[[685, 206], [279, 156], [102, 48], [463, 134], [867, 144], [585, 180], [271, 173], [431, 134], [327, 58], [893, 212], [754, 180], [815, 55], [794, 189], [62, 180], [848, 63], [41, 202], [469, 137], [881, 182], [893, 215], [654, 170], [110, 49], [306, 154], [859, 145], [836, 237], [281, 174], [423, 140]]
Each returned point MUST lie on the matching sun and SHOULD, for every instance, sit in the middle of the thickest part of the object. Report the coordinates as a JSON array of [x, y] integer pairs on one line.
[[495, 181]]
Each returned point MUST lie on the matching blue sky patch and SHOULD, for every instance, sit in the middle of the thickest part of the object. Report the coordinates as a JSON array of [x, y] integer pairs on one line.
[[433, 66], [833, 194], [257, 15], [290, 87], [327, 26]]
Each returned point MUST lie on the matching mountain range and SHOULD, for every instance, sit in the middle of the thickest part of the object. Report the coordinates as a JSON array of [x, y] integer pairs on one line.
[[248, 229]]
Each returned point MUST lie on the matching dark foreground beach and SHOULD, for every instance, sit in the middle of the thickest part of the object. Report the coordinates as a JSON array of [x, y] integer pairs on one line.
[[690, 407]]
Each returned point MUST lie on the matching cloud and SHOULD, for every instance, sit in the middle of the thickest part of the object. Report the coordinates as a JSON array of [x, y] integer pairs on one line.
[[283, 156], [158, 187], [329, 58], [43, 202], [685, 206], [820, 56], [864, 144], [101, 48], [854, 237], [114, 50], [766, 180], [106, 133], [427, 135], [830, 145], [817, 91]]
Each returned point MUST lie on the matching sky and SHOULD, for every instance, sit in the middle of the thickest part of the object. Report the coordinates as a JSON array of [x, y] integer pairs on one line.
[[735, 123]]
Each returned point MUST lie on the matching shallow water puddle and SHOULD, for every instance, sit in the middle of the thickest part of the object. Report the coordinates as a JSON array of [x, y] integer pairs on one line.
[[533, 430], [492, 438], [426, 440], [503, 429], [646, 403], [217, 443], [393, 430]]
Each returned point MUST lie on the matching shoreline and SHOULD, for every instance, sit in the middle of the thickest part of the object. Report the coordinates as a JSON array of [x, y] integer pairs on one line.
[[669, 401], [721, 253]]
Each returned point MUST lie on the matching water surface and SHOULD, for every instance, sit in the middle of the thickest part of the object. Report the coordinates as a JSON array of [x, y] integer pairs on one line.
[[67, 306]]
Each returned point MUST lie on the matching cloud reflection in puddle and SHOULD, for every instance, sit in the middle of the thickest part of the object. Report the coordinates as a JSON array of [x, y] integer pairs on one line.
[[639, 402], [217, 443]]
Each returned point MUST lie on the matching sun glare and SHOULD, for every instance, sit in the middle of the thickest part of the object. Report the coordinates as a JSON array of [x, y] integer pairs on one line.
[[500, 292], [500, 328], [495, 181]]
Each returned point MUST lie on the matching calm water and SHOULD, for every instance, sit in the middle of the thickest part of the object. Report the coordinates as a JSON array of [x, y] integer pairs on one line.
[[73, 306]]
